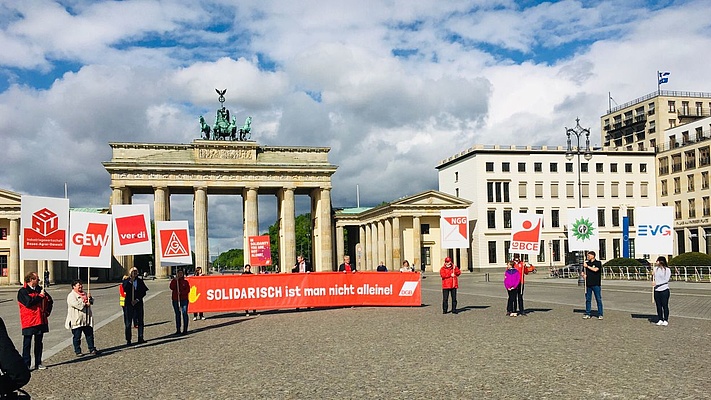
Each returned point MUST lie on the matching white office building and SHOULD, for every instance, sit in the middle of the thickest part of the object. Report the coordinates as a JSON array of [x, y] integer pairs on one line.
[[502, 180]]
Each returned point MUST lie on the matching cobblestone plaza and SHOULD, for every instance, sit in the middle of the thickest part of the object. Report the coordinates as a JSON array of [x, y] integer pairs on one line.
[[392, 353]]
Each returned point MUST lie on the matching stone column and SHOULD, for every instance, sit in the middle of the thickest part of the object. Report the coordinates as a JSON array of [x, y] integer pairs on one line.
[[416, 243], [251, 218], [202, 245], [53, 269], [340, 245], [397, 251], [376, 252], [13, 265], [159, 214], [287, 233], [389, 246], [361, 240], [368, 247], [118, 198], [381, 242], [325, 230], [464, 259]]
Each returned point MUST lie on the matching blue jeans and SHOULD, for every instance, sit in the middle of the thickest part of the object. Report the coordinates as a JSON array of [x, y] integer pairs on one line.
[[588, 299], [76, 339], [181, 311]]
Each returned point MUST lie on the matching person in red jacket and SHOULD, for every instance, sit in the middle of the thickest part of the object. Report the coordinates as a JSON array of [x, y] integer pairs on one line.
[[35, 305], [450, 283], [180, 288], [521, 268]]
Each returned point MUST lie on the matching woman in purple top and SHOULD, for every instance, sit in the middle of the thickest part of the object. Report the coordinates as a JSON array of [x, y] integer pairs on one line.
[[512, 279]]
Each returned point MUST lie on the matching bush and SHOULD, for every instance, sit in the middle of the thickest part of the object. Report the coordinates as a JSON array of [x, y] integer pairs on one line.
[[693, 259], [622, 262]]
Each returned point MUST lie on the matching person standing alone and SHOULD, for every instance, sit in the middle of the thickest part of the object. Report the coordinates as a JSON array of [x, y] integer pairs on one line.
[[450, 283], [662, 274], [180, 289], [593, 278]]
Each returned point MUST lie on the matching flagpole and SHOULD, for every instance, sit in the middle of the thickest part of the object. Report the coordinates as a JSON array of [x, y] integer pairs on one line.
[[609, 102], [659, 90]]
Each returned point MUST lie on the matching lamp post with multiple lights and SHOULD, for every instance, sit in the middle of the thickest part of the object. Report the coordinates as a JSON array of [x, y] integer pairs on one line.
[[578, 131]]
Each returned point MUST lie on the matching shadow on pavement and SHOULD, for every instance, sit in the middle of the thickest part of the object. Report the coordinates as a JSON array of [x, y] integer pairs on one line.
[[648, 317], [535, 310], [155, 324], [467, 308]]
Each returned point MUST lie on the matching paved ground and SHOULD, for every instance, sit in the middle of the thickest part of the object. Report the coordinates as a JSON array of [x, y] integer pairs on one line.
[[396, 353]]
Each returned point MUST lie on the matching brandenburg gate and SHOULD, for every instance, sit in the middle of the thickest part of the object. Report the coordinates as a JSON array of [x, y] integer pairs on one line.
[[224, 167]]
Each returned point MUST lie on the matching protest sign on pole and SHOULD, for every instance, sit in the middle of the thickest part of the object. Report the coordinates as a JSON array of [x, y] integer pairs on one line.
[[132, 229], [173, 239], [45, 228]]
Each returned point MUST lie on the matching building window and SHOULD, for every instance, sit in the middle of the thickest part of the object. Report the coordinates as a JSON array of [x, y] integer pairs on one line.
[[644, 189], [507, 218], [690, 159], [586, 190], [506, 167], [569, 167], [600, 217], [615, 189], [603, 249], [456, 177], [543, 220], [553, 167], [672, 124], [704, 158], [554, 190], [425, 229], [616, 248], [664, 187], [3, 265], [651, 107], [522, 190], [523, 210], [489, 167], [628, 167], [497, 192], [541, 253], [522, 167], [507, 246], [491, 219], [456, 192], [690, 183], [663, 165], [677, 185], [672, 106], [599, 167], [492, 252], [677, 209], [537, 167], [705, 180], [629, 189], [555, 218], [539, 190], [676, 162], [569, 190], [613, 167], [692, 208], [630, 216], [584, 167], [556, 250], [615, 217], [3, 233], [706, 206], [600, 189]]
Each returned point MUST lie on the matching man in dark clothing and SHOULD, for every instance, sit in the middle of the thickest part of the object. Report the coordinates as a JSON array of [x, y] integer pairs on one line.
[[135, 291], [14, 374], [301, 265], [593, 277], [35, 306], [346, 266], [381, 267]]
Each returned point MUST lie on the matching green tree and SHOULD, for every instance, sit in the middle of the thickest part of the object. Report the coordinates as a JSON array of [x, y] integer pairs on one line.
[[302, 231], [231, 259]]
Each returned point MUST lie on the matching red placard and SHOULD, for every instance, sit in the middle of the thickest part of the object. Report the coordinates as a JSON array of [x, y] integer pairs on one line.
[[260, 253], [215, 293]]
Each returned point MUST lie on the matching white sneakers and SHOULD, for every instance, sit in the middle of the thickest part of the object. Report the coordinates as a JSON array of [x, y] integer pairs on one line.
[[586, 316], [194, 318], [662, 323]]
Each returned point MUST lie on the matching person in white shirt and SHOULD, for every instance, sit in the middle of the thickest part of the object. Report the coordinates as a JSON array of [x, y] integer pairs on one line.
[[662, 274]]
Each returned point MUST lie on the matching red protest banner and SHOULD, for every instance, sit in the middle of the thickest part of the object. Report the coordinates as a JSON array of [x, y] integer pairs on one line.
[[321, 289], [260, 253]]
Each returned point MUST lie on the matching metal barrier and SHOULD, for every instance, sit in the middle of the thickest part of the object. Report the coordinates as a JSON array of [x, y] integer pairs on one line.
[[685, 274]]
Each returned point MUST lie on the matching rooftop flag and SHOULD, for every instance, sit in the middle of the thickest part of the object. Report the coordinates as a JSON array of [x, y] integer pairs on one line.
[[663, 77]]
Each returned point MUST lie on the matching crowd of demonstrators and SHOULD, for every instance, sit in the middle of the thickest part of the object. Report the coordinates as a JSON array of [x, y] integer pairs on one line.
[[450, 283], [662, 274], [80, 319], [180, 288], [35, 307], [512, 283], [198, 272], [135, 290], [14, 373], [592, 273]]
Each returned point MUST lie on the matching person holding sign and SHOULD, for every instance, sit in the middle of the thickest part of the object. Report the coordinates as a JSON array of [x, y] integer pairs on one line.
[[450, 283], [180, 289], [80, 318], [135, 291], [35, 306], [662, 274], [593, 278]]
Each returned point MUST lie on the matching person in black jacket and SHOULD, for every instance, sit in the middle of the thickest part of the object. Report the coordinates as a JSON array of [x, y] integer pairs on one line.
[[301, 265], [14, 374], [135, 291]]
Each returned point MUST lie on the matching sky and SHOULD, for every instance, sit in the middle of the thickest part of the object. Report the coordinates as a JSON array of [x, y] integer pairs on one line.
[[391, 87]]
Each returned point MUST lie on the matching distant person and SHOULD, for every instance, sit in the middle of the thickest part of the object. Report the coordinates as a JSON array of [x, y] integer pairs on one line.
[[247, 271], [35, 306], [512, 283], [135, 290], [301, 265], [346, 266], [180, 288], [381, 267], [46, 277], [450, 283], [14, 374], [406, 267], [80, 319], [662, 274], [198, 272], [593, 277]]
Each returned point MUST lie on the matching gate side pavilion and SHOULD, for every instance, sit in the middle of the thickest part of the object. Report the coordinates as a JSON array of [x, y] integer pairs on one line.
[[245, 168], [405, 229]]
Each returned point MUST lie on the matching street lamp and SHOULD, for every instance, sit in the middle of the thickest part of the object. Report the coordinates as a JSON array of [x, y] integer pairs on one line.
[[578, 131]]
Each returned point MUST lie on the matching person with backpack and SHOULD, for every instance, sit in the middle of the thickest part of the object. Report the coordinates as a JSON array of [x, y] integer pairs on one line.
[[35, 307], [14, 374], [512, 283]]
